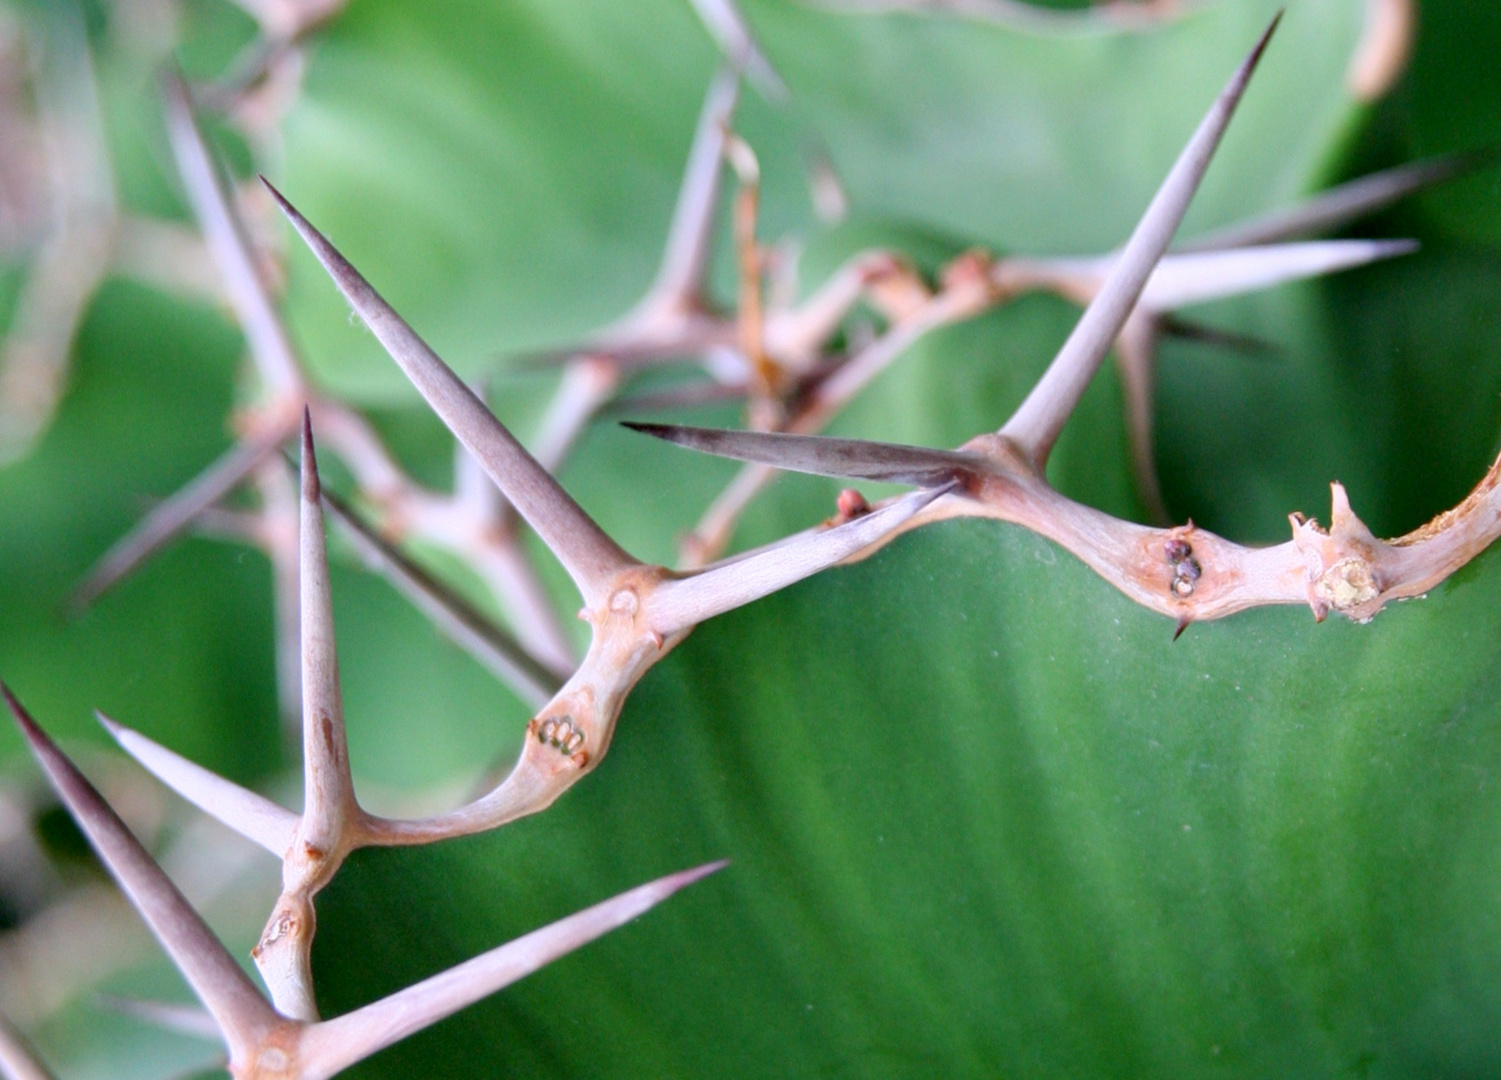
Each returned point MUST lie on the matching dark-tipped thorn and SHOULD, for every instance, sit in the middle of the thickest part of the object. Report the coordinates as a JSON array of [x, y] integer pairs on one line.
[[1183, 623], [312, 488], [29, 727]]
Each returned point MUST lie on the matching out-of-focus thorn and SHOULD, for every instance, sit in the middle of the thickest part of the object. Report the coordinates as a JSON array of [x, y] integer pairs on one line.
[[18, 1061], [173, 516], [1340, 205], [252, 816], [830, 201], [244, 1017], [824, 456], [1184, 622], [76, 251], [680, 276], [1384, 48], [728, 28], [287, 20], [1136, 355], [1175, 326], [279, 519], [166, 255], [587, 384], [190, 1020], [333, 1045], [228, 243], [680, 603], [591, 558], [1035, 426], [687, 396], [458, 620]]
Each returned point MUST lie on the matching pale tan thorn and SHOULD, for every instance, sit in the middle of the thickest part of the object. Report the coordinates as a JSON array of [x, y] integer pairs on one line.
[[244, 1017], [190, 1020], [678, 604], [587, 384], [591, 558], [764, 375], [328, 1047], [18, 1061], [171, 517], [1384, 48], [169, 256], [1035, 426], [679, 281], [795, 335], [730, 31], [328, 789], [458, 620], [252, 816], [229, 244], [1340, 205]]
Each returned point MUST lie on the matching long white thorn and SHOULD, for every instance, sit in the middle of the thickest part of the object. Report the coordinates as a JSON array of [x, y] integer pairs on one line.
[[328, 789], [681, 603], [252, 816], [1036, 424], [228, 242], [243, 1016], [1181, 280], [591, 558], [332, 1045]]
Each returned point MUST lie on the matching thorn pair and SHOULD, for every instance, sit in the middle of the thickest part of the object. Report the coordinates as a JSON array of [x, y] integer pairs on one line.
[[264, 1041], [1001, 475]]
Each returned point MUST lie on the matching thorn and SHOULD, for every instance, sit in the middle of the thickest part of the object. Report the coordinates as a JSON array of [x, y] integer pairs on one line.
[[188, 1020], [591, 558], [328, 789], [1183, 623], [458, 620], [1036, 424], [685, 256], [730, 31], [18, 1061], [228, 242], [328, 1047], [680, 603], [824, 456], [169, 519], [1180, 280], [242, 1014], [1347, 202], [252, 816], [1188, 330]]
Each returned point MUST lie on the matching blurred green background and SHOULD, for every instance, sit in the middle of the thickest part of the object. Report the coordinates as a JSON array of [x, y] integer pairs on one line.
[[984, 819]]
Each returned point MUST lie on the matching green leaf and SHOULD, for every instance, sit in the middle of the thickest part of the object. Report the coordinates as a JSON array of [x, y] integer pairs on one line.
[[986, 818]]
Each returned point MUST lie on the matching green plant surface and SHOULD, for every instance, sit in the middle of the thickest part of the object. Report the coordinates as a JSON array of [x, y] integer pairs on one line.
[[987, 819], [954, 780]]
